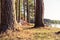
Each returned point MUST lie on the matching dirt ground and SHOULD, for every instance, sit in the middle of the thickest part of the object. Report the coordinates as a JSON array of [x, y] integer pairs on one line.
[[46, 33]]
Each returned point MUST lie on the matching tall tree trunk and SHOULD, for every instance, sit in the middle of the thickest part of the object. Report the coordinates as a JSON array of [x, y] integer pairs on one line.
[[0, 12], [16, 8], [7, 14], [39, 14], [28, 14], [18, 11], [24, 8]]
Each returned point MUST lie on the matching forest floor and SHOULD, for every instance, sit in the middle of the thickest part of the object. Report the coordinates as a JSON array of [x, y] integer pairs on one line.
[[27, 33]]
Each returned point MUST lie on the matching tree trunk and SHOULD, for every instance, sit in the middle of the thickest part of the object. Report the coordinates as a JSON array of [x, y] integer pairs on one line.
[[7, 14], [16, 8], [18, 11], [24, 8], [28, 14], [0, 12], [39, 14]]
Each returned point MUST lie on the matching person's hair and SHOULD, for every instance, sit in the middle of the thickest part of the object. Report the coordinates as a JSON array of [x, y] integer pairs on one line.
[[21, 17]]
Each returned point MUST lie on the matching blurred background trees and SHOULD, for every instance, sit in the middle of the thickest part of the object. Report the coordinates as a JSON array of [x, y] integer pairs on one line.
[[26, 8]]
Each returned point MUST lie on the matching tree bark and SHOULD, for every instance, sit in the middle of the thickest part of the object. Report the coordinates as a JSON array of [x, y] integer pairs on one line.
[[16, 8], [8, 18], [0, 12], [18, 11], [28, 14], [24, 8], [39, 13]]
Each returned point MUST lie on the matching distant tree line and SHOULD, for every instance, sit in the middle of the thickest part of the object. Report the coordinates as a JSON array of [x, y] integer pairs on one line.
[[51, 21]]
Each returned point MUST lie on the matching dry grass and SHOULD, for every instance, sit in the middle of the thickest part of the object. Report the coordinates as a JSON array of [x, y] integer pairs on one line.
[[46, 33]]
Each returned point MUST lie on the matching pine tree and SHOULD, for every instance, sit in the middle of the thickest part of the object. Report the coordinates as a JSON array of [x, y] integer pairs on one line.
[[39, 13], [8, 19]]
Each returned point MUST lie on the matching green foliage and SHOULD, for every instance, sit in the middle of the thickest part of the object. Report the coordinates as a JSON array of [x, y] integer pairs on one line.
[[31, 8], [52, 21]]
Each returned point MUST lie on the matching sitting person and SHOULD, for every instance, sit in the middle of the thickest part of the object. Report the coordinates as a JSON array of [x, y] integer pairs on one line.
[[23, 22]]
